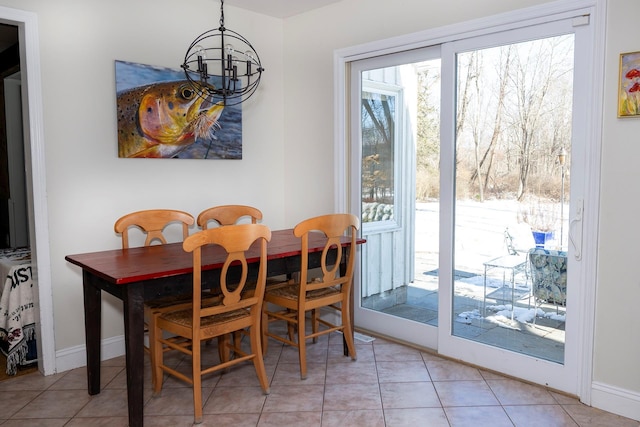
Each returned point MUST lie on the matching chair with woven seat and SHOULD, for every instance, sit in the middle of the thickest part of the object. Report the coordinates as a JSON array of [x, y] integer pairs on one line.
[[233, 311], [293, 299], [152, 223], [227, 215]]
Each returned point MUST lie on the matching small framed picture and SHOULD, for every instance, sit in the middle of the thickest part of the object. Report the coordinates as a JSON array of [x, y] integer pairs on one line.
[[629, 85]]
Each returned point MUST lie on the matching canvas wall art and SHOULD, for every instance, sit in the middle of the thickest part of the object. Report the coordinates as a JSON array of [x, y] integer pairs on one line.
[[629, 85], [160, 116]]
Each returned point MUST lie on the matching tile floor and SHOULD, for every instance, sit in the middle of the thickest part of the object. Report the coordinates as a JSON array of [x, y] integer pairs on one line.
[[389, 385]]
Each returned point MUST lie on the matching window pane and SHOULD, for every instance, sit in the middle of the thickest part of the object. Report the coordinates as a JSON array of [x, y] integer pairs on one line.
[[378, 142]]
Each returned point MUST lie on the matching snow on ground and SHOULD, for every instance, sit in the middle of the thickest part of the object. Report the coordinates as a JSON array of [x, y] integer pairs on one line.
[[521, 314], [479, 237]]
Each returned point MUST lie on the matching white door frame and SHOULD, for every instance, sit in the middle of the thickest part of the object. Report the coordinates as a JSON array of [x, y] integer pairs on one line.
[[346, 188], [27, 24]]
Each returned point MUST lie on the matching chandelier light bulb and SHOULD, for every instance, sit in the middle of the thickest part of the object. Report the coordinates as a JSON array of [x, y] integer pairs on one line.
[[201, 57], [200, 51]]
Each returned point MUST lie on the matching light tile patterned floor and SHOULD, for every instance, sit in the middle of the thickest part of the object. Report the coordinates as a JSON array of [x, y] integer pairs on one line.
[[389, 385]]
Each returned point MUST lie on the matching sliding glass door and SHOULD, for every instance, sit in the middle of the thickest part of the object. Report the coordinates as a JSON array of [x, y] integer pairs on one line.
[[512, 149], [510, 104], [464, 154]]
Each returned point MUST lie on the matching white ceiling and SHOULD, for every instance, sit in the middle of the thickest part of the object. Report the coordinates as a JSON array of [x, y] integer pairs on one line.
[[280, 8]]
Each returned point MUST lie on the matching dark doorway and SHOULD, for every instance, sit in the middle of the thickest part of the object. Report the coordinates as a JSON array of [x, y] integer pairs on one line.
[[9, 65]]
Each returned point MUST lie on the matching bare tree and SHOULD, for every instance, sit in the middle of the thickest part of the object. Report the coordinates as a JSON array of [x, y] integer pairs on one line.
[[514, 115], [537, 70], [463, 96], [484, 161]]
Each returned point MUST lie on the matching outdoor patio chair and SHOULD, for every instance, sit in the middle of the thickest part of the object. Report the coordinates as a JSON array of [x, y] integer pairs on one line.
[[519, 239], [549, 277]]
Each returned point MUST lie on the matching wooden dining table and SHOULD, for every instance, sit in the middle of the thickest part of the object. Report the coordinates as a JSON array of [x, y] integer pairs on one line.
[[136, 275]]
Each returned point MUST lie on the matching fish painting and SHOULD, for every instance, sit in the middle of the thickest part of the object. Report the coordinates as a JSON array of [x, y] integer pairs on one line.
[[162, 119]]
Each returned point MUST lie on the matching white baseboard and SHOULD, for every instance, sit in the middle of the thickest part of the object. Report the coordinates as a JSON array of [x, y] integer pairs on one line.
[[616, 400], [76, 357]]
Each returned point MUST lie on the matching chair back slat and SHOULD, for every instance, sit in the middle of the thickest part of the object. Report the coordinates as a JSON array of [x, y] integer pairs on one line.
[[228, 215], [152, 223]]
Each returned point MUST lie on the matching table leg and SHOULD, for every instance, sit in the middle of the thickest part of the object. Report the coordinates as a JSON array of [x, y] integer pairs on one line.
[[345, 348], [134, 348], [343, 271], [92, 321]]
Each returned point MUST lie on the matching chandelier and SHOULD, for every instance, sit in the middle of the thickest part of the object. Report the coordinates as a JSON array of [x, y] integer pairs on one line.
[[222, 66]]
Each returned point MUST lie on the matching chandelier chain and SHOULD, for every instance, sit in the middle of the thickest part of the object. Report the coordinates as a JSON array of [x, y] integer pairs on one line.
[[221, 13]]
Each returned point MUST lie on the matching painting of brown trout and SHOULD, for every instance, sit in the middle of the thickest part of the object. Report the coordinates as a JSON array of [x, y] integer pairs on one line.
[[162, 119], [166, 119]]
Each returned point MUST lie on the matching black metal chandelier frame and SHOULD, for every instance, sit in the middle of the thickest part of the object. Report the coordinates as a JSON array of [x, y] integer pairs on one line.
[[218, 70]]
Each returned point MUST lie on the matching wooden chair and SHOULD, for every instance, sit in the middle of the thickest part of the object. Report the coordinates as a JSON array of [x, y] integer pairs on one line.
[[332, 289], [227, 215], [152, 223], [234, 310]]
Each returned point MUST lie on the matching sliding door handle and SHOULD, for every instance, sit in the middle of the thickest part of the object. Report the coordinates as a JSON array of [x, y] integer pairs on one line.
[[575, 230]]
